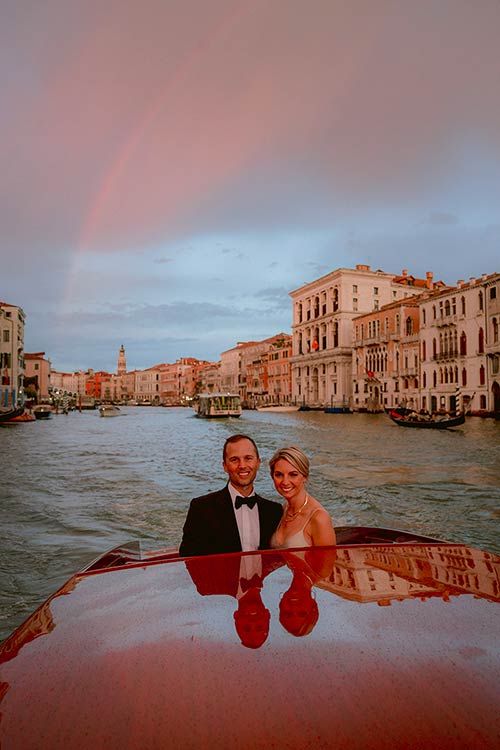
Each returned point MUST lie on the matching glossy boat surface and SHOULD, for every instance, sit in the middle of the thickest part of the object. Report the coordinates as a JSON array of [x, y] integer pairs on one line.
[[391, 645]]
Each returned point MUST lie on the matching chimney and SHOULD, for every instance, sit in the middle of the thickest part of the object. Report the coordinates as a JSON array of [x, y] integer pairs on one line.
[[404, 272], [428, 280], [472, 280], [362, 267], [460, 283]]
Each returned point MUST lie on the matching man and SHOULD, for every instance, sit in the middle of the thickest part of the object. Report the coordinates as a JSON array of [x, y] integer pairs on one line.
[[233, 519]]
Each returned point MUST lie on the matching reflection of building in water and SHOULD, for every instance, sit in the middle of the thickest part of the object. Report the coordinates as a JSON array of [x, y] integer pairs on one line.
[[383, 574]]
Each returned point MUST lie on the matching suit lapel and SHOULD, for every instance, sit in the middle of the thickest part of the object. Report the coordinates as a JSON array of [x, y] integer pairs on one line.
[[229, 527]]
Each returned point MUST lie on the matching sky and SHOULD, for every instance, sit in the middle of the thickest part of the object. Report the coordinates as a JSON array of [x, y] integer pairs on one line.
[[172, 169]]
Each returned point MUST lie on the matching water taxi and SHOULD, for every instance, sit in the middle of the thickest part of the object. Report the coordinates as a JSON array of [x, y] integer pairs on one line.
[[384, 641], [217, 405], [109, 410]]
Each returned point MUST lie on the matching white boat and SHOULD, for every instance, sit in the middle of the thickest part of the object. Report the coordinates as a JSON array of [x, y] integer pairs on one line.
[[279, 408], [217, 405], [109, 410]]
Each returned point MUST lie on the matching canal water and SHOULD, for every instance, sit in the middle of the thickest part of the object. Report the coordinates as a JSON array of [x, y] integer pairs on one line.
[[77, 484]]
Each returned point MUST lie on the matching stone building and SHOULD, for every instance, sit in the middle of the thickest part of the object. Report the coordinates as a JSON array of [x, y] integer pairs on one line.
[[12, 320], [453, 329], [323, 314], [385, 361]]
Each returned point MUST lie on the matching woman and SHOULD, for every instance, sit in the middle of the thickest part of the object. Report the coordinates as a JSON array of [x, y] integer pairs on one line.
[[304, 523]]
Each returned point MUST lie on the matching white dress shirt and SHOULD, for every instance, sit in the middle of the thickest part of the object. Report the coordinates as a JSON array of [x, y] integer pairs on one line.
[[248, 522]]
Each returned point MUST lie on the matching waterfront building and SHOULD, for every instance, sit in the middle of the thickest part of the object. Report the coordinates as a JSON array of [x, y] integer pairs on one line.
[[386, 357], [322, 329], [244, 369], [492, 346], [268, 375], [453, 348], [12, 320], [37, 376], [147, 385], [209, 378]]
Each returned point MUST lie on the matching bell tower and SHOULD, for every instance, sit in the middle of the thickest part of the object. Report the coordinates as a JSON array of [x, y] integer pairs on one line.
[[122, 362]]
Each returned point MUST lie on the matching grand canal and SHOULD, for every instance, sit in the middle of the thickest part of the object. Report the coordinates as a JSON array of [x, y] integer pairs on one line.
[[76, 485]]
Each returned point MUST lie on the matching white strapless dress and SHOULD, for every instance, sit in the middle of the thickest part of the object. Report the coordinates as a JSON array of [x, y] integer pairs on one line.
[[295, 540]]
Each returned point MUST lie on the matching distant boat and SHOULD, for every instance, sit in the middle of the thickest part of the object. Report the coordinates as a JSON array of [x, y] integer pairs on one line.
[[430, 423], [109, 410], [42, 411], [278, 408], [210, 405]]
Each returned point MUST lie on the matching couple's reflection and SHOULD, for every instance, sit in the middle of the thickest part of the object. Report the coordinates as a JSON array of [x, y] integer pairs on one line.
[[298, 609], [243, 577]]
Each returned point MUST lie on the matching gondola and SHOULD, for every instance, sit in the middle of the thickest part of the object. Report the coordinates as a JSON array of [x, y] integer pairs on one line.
[[6, 416], [427, 423]]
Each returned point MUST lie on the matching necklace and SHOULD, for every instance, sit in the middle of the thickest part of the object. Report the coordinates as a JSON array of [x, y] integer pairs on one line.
[[290, 516]]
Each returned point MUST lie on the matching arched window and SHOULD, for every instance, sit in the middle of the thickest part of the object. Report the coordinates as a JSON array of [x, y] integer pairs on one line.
[[424, 351], [335, 300], [495, 330], [423, 317], [480, 300], [482, 375], [409, 326], [424, 380], [481, 341], [300, 313], [462, 303], [447, 307], [434, 378], [336, 334], [464, 376], [463, 344], [434, 348]]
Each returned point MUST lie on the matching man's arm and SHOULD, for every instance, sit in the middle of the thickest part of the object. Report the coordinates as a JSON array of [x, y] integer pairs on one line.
[[193, 533]]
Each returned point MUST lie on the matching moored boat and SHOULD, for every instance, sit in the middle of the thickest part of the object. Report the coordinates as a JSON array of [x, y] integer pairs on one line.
[[42, 411], [109, 410], [8, 414], [212, 405], [278, 408], [413, 419], [378, 644]]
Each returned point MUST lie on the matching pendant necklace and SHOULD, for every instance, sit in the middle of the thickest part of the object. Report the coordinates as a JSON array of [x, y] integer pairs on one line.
[[290, 516]]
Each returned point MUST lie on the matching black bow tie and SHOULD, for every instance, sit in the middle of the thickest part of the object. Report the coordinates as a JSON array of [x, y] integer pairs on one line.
[[239, 501]]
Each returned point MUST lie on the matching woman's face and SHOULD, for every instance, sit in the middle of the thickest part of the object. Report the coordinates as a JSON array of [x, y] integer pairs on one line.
[[289, 482]]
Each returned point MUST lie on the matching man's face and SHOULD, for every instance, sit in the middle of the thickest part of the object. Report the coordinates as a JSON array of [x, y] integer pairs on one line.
[[241, 464]]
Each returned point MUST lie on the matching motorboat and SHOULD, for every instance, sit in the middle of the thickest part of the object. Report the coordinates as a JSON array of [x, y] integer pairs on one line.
[[42, 411], [210, 405], [388, 640], [109, 410], [425, 421]]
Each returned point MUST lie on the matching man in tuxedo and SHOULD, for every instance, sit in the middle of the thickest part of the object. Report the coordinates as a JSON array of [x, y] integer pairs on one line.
[[233, 519]]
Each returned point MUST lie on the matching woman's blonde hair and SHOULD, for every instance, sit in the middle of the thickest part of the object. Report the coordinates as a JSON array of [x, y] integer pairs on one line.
[[294, 456]]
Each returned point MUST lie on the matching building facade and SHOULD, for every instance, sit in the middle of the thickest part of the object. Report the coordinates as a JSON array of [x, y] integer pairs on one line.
[[12, 320], [323, 315]]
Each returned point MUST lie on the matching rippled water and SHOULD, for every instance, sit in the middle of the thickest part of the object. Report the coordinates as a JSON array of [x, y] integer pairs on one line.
[[76, 485]]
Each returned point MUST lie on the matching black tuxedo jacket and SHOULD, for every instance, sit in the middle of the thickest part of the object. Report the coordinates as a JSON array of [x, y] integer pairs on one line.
[[210, 527]]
